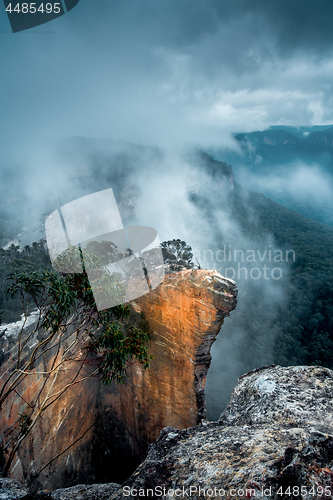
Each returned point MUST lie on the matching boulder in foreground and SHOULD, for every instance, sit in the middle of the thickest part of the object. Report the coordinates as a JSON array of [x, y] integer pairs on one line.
[[274, 440]]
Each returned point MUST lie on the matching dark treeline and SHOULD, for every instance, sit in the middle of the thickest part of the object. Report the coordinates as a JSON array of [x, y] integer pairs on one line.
[[304, 320], [31, 258], [287, 321]]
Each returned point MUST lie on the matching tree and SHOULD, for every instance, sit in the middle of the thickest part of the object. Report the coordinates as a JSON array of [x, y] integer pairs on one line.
[[177, 254], [71, 337], [31, 258]]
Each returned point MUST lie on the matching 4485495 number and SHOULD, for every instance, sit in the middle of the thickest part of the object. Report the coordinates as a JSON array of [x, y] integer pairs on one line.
[[295, 491], [31, 8]]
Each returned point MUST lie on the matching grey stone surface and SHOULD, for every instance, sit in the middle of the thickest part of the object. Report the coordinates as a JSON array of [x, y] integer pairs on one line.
[[80, 492], [12, 490], [276, 433]]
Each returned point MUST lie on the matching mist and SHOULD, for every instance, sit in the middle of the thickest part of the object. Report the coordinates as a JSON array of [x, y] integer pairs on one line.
[[174, 192], [297, 179], [115, 94], [301, 186]]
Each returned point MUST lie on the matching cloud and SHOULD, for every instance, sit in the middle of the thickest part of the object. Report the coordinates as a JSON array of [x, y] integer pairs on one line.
[[299, 180], [166, 72]]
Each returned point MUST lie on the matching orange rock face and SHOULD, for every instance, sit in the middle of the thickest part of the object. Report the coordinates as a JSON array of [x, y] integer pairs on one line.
[[185, 314]]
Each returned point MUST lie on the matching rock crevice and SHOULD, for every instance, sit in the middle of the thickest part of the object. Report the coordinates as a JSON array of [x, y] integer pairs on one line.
[[119, 422], [274, 438]]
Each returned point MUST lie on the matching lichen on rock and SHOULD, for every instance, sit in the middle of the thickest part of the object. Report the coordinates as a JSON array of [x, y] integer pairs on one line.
[[274, 438]]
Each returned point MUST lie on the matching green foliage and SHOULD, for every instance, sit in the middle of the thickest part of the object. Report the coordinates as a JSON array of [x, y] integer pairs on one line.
[[117, 349], [177, 254], [31, 258], [59, 296], [25, 422], [107, 250], [70, 332]]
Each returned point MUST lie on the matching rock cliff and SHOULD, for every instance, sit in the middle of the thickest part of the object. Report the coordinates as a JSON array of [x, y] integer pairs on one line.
[[118, 422], [274, 440]]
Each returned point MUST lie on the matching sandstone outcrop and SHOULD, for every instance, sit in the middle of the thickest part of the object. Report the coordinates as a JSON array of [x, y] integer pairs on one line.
[[102, 434], [274, 440]]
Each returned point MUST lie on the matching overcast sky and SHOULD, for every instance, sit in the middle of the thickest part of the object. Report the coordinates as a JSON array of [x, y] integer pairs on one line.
[[166, 72], [161, 72]]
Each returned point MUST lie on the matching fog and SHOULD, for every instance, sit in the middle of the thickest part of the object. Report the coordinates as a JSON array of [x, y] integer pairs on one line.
[[165, 201], [131, 86], [304, 187], [172, 191]]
